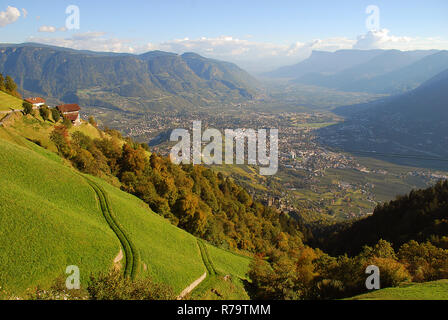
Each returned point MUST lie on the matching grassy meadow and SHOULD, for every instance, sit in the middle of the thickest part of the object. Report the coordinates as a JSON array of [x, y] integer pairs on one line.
[[229, 263], [51, 217], [168, 254], [226, 275], [58, 212], [8, 102], [34, 128], [435, 290]]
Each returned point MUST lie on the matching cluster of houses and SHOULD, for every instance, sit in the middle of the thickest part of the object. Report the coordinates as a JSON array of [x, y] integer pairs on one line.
[[68, 111]]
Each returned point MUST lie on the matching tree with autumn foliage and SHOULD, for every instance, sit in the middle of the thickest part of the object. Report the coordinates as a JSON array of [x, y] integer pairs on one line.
[[60, 137]]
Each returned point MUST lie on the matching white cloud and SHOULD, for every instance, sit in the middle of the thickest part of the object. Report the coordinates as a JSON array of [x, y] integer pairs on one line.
[[88, 41], [382, 39], [254, 56], [245, 52], [9, 16], [90, 35], [333, 44], [251, 55], [50, 29], [24, 12]]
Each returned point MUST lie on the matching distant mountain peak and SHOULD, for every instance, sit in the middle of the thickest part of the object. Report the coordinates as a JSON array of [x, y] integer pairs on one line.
[[153, 80]]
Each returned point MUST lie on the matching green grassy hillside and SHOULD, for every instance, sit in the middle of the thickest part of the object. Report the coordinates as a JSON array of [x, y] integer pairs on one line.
[[49, 218], [226, 275], [33, 127], [167, 253], [52, 216], [8, 102], [436, 290], [229, 263]]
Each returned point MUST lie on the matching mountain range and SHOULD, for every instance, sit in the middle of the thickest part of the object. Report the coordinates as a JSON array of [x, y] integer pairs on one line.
[[411, 125], [372, 71], [150, 81]]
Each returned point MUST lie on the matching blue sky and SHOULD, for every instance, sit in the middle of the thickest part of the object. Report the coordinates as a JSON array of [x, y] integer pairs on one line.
[[264, 31]]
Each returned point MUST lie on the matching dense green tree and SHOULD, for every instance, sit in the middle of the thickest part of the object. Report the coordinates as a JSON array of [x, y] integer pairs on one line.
[[82, 141], [85, 162], [55, 114], [10, 85], [2, 83], [133, 160], [422, 215], [424, 261], [44, 112], [27, 107]]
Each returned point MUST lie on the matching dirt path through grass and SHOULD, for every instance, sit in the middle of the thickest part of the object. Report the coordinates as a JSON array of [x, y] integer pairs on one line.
[[8, 115], [117, 260], [212, 273], [192, 286]]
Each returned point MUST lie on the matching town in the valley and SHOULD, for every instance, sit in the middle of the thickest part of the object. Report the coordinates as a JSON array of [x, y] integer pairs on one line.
[[311, 175]]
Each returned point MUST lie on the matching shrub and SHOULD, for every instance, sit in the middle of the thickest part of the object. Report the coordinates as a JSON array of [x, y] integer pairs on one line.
[[114, 286], [424, 261], [58, 291], [44, 112], [85, 162], [81, 140], [330, 289], [92, 121], [392, 272], [59, 136], [27, 107], [145, 146], [67, 123], [111, 286], [55, 114]]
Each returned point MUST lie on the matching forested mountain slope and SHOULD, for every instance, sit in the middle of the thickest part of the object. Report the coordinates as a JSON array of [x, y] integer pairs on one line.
[[150, 81]]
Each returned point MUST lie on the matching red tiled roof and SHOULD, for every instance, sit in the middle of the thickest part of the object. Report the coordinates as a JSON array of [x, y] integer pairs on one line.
[[68, 108], [35, 100], [72, 116]]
